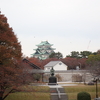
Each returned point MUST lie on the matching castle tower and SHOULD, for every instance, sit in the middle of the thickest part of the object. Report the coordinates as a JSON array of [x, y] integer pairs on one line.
[[43, 50]]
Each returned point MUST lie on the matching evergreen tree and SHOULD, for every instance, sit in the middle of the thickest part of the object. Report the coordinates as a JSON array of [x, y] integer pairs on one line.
[[57, 55]]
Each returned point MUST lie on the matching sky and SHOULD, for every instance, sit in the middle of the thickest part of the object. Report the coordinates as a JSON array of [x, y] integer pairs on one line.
[[70, 25]]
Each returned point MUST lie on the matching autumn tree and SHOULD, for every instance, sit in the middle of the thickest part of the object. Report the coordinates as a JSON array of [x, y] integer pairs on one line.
[[10, 48], [10, 53], [35, 61], [98, 52], [73, 62]]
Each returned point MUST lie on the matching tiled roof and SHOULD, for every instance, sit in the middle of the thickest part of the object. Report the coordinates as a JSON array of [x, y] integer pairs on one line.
[[52, 63], [44, 49], [44, 43], [37, 52], [31, 64]]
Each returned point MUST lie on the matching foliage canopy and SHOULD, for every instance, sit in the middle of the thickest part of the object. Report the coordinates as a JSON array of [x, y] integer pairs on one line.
[[10, 48], [10, 53]]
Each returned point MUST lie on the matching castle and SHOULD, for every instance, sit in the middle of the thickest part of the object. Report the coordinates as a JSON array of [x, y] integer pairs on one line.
[[43, 50]]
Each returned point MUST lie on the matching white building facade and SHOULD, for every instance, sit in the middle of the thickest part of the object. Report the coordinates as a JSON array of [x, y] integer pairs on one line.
[[57, 66]]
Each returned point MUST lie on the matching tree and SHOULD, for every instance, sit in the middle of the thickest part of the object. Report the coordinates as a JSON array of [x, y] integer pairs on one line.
[[98, 52], [10, 48], [93, 58], [73, 62], [37, 76], [36, 61], [74, 54], [12, 77], [94, 64], [85, 54], [10, 53], [56, 55], [82, 54]]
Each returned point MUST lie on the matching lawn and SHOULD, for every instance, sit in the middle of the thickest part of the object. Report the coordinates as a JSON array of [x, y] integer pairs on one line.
[[43, 92], [28, 96], [72, 91], [30, 93]]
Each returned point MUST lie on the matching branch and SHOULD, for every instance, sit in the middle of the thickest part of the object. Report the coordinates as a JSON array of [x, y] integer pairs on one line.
[[7, 94]]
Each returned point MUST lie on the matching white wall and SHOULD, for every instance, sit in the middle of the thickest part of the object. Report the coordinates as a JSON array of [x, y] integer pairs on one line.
[[47, 68], [60, 66]]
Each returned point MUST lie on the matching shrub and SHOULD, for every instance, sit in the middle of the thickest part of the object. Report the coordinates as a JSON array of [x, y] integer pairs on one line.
[[83, 96], [37, 76]]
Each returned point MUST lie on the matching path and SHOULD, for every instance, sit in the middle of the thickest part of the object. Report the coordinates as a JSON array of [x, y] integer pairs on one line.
[[57, 92]]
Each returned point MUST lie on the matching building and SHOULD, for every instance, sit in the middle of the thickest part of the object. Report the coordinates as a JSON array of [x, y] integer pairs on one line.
[[61, 73], [64, 75], [57, 66], [43, 50]]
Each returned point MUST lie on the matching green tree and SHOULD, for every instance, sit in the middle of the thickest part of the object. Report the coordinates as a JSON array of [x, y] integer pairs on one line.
[[93, 58], [94, 64], [82, 54], [74, 54], [85, 54], [57, 55]]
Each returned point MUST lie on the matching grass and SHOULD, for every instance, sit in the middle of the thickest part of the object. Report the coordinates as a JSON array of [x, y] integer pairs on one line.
[[30, 93], [72, 91], [28, 96], [43, 93]]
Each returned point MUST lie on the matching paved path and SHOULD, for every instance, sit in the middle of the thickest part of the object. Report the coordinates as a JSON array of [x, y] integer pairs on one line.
[[57, 92]]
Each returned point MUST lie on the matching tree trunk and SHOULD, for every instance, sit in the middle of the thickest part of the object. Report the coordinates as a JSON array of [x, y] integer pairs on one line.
[[2, 92], [1, 95], [1, 98]]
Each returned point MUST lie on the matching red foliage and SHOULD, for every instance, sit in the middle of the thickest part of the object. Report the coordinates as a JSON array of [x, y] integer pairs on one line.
[[14, 76], [9, 45], [35, 61], [10, 52], [73, 62], [41, 63], [70, 62]]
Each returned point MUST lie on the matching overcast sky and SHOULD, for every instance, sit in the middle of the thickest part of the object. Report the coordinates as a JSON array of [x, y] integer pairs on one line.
[[71, 25]]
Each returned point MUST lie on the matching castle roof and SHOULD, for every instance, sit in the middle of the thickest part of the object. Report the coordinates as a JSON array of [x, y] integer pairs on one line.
[[38, 52], [45, 43]]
